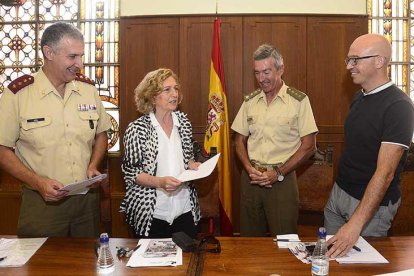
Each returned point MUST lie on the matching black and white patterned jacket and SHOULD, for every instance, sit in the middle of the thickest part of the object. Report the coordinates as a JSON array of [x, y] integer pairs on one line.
[[141, 150]]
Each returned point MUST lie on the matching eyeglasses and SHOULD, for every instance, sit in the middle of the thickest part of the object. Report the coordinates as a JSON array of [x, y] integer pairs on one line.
[[210, 244], [354, 60]]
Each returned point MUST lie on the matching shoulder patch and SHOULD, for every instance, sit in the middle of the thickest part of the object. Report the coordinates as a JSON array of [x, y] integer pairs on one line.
[[85, 79], [252, 95], [20, 83], [298, 95]]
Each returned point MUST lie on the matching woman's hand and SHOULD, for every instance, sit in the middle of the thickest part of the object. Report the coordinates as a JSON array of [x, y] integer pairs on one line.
[[169, 183], [193, 165]]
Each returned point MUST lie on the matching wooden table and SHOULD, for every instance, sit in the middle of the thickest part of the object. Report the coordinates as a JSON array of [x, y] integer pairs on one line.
[[239, 256]]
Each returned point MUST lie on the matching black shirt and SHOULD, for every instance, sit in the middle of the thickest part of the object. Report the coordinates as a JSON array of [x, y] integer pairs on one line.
[[383, 117]]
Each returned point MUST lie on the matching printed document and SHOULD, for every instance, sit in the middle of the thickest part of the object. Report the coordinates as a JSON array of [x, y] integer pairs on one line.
[[16, 252], [204, 170], [156, 252], [82, 187], [367, 255]]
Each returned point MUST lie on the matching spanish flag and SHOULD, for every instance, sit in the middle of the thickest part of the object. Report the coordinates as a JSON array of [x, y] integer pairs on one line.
[[217, 133]]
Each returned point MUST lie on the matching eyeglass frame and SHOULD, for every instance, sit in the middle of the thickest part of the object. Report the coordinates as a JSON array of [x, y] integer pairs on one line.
[[210, 240], [355, 59]]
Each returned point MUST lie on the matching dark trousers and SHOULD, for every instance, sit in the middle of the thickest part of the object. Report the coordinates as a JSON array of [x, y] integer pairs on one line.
[[275, 209], [162, 229]]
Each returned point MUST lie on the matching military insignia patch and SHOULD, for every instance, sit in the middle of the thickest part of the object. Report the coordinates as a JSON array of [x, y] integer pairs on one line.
[[85, 79], [298, 95], [252, 95], [20, 83]]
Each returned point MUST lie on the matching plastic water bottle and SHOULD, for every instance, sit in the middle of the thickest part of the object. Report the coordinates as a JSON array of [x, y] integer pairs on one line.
[[105, 263], [320, 261]]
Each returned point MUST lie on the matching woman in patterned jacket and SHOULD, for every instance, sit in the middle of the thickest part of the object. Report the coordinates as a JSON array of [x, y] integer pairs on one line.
[[158, 147]]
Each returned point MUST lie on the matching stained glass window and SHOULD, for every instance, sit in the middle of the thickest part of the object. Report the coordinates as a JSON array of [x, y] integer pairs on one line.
[[392, 18], [22, 23]]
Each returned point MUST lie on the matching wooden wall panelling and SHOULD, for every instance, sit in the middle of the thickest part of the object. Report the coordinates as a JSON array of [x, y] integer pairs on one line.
[[288, 35], [9, 212], [146, 44], [195, 57], [119, 227], [329, 84], [10, 198], [404, 220]]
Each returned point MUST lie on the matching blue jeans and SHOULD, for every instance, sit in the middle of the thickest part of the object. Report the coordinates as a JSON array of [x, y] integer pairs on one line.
[[341, 206]]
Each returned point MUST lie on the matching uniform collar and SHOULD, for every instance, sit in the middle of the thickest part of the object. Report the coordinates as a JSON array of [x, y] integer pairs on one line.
[[45, 87], [281, 94]]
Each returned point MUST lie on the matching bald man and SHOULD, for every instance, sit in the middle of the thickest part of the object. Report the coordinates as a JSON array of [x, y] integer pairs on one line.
[[378, 133]]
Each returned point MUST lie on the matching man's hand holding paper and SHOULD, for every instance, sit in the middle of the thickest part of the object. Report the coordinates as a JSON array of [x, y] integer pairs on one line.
[[82, 187]]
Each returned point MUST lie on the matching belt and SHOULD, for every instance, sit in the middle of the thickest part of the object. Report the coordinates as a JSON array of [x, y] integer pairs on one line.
[[264, 167]]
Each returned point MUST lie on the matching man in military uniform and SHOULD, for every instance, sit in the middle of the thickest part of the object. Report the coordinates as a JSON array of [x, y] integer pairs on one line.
[[275, 132], [53, 133]]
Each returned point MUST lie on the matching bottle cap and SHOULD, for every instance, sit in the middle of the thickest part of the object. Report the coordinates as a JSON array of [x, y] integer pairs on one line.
[[322, 232], [104, 237]]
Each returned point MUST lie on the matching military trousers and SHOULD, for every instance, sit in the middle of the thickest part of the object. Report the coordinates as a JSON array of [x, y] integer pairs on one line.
[[73, 216], [269, 210]]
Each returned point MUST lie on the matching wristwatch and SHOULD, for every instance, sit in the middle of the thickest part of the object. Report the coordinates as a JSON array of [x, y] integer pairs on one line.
[[280, 175]]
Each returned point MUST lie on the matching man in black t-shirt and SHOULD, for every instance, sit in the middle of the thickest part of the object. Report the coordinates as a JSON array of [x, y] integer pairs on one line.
[[378, 133]]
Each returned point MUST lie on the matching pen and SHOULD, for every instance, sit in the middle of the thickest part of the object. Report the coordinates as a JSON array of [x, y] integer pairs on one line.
[[356, 248], [2, 258], [129, 254], [287, 240]]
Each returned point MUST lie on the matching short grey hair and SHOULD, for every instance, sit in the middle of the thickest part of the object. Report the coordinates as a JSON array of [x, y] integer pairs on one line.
[[56, 32], [266, 50]]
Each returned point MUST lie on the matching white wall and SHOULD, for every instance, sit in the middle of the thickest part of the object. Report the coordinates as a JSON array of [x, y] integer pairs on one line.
[[165, 7]]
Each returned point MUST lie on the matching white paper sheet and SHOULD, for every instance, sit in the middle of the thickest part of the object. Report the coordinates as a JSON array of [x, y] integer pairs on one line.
[[82, 187], [368, 254], [18, 251], [156, 252], [284, 240], [204, 170]]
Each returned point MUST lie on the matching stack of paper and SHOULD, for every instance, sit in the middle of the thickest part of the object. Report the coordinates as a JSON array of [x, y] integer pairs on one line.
[[284, 240], [156, 252], [82, 187], [16, 252], [368, 254]]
